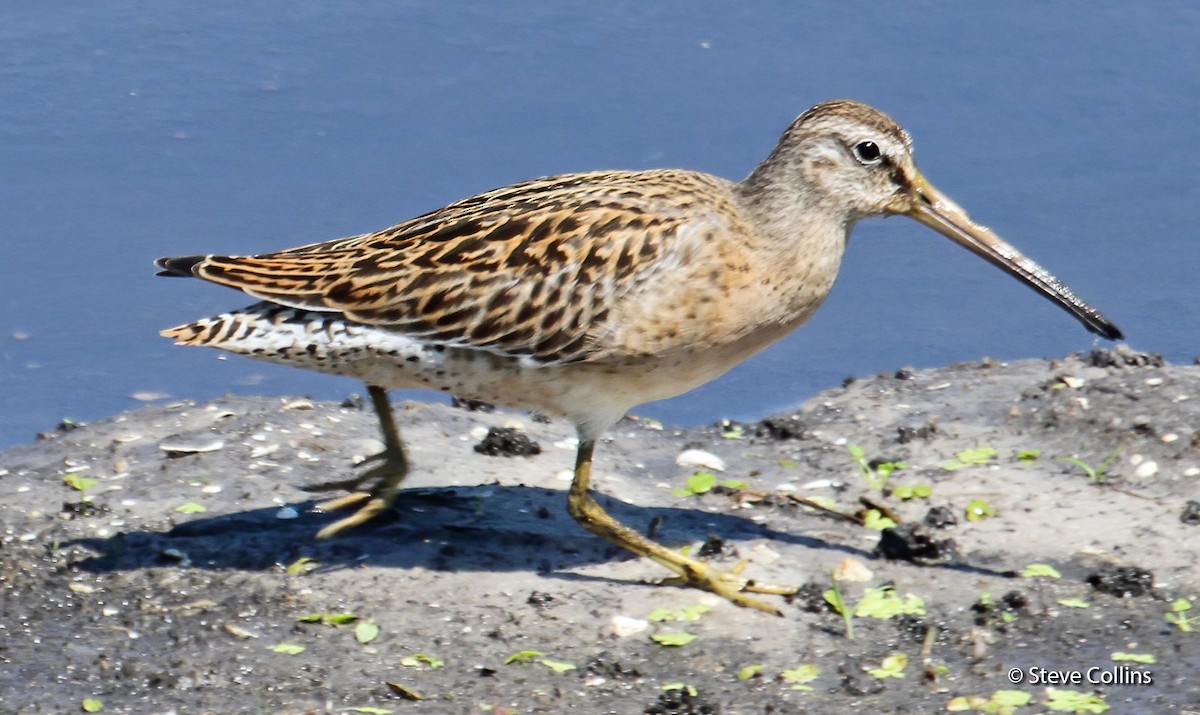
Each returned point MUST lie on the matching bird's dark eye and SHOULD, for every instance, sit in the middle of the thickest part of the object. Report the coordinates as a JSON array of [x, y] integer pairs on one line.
[[867, 152]]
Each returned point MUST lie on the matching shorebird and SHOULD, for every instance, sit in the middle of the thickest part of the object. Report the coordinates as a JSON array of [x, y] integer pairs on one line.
[[584, 295]]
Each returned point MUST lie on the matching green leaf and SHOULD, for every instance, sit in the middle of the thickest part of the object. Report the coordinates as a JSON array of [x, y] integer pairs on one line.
[[892, 667], [80, 483], [833, 597], [883, 602], [556, 665], [970, 458], [524, 656], [1035, 570], [734, 431], [788, 463], [1074, 603], [800, 676], [1028, 455], [674, 640], [691, 613], [366, 631], [1147, 658], [416, 660], [916, 491], [91, 705], [191, 508], [1073, 701], [734, 484], [701, 482], [371, 711], [978, 510], [288, 649], [301, 566], [1002, 702], [873, 519], [327, 618], [750, 671]]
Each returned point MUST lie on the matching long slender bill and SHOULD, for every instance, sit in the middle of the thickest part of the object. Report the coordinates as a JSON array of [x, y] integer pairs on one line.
[[936, 210]]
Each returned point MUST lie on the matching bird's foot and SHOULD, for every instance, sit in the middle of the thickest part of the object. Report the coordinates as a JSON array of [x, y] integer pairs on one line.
[[384, 479], [731, 585]]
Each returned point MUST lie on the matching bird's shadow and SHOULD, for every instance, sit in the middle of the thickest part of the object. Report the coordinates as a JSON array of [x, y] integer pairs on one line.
[[472, 528]]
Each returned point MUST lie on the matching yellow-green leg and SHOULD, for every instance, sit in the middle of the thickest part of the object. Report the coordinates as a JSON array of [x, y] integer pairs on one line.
[[592, 517], [387, 475]]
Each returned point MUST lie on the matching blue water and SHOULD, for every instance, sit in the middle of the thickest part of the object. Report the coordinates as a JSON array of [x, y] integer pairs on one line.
[[131, 130]]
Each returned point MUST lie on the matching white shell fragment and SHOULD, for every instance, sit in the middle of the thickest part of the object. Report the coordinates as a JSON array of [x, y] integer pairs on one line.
[[625, 626], [1146, 469], [700, 458], [851, 570], [191, 445]]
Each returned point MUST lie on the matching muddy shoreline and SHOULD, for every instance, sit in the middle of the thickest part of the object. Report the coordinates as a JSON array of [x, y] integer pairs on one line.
[[170, 581]]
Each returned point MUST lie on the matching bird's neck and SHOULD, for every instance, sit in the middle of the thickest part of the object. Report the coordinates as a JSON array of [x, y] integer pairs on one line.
[[796, 219]]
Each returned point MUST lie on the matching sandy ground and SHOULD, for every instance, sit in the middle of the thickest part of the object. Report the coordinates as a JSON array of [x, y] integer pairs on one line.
[[169, 583]]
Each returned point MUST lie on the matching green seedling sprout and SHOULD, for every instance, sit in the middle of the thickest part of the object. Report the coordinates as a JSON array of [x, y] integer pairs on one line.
[[1002, 702], [1097, 474], [800, 676], [1073, 701], [972, 457], [884, 603], [703, 482], [81, 484], [417, 660], [1143, 658], [905, 492], [1177, 615], [833, 596], [873, 519], [892, 667], [1043, 570], [691, 613], [876, 475], [979, 509], [676, 639]]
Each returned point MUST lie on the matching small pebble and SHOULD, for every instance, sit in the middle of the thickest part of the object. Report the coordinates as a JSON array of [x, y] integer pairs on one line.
[[287, 512]]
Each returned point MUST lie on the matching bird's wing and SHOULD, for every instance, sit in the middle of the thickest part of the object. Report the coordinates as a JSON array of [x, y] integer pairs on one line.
[[532, 269]]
